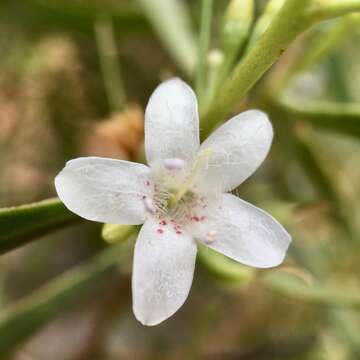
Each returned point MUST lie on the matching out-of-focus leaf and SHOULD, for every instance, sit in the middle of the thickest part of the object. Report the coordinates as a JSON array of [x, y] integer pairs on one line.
[[263, 22], [113, 233], [39, 15], [93, 8], [237, 22], [308, 156], [291, 286], [21, 224], [172, 23], [326, 39], [223, 268], [339, 117], [27, 316], [309, 159]]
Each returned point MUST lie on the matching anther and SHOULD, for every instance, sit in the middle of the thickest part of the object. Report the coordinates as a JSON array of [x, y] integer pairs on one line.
[[210, 237], [174, 164]]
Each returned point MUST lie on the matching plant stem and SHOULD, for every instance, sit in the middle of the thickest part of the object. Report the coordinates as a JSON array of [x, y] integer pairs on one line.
[[291, 20], [109, 63], [204, 40], [327, 9], [323, 43]]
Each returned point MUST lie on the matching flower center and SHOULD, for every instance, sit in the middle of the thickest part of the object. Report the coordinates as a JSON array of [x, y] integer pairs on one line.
[[176, 192], [187, 184]]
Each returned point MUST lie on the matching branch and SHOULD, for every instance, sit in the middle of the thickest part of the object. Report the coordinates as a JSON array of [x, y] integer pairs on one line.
[[291, 20]]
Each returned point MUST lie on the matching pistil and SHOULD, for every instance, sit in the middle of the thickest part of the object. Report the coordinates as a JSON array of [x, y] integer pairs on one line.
[[184, 189]]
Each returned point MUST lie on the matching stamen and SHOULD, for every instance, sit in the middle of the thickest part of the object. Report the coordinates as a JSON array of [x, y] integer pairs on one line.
[[204, 155], [149, 205], [210, 237], [174, 164]]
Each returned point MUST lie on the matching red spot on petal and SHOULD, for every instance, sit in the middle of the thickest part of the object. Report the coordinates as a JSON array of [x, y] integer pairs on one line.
[[195, 218], [147, 183], [178, 232], [159, 231], [163, 222]]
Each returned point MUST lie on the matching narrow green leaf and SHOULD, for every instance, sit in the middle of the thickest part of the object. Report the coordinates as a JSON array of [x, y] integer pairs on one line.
[[171, 21], [21, 224], [27, 316], [114, 233], [203, 46], [223, 268], [327, 39], [237, 22], [322, 182], [291, 286], [340, 117]]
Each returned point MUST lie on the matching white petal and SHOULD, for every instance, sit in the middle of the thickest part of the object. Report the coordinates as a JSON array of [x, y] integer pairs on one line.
[[238, 147], [162, 272], [104, 190], [171, 123], [244, 233]]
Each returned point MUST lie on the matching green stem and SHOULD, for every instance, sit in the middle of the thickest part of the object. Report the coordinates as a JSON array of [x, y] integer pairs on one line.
[[204, 40], [28, 315], [109, 63], [323, 43], [291, 20], [327, 9]]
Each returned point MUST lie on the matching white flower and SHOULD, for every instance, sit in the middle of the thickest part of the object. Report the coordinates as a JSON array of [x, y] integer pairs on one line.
[[180, 197]]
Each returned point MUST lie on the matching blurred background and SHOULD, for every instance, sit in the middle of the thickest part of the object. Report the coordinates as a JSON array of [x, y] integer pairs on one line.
[[75, 77]]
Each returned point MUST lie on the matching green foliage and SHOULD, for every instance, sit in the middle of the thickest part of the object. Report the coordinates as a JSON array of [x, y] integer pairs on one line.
[[21, 224], [22, 319], [316, 293], [114, 233], [267, 36], [223, 268]]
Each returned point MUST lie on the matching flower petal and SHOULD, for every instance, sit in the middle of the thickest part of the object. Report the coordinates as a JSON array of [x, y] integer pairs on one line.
[[243, 232], [171, 123], [237, 148], [162, 272], [104, 190]]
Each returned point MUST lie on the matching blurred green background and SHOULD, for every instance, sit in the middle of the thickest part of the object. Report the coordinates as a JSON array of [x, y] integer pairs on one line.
[[75, 77]]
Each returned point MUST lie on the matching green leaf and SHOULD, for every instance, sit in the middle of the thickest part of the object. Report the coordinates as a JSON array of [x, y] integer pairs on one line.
[[339, 117], [27, 316], [291, 286], [223, 268], [21, 224], [327, 39], [308, 155], [290, 21], [114, 233], [171, 21]]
